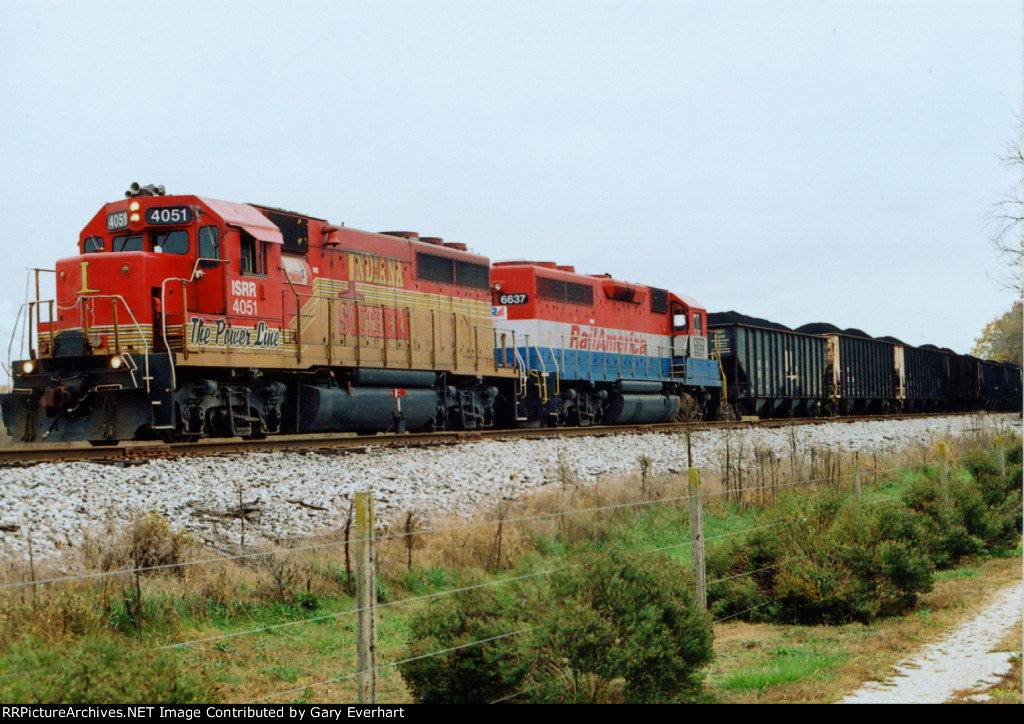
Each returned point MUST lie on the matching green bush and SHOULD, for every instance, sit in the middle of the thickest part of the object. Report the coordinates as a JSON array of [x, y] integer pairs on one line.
[[623, 627], [1002, 495], [734, 589], [1014, 455], [611, 627], [473, 674], [824, 558], [972, 516], [101, 671]]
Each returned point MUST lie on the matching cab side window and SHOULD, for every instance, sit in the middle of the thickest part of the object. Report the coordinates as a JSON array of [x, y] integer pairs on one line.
[[252, 254], [209, 243], [679, 318]]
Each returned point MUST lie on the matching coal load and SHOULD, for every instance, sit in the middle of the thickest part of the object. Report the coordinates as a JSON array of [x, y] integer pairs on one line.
[[720, 318], [819, 328], [854, 332], [826, 328]]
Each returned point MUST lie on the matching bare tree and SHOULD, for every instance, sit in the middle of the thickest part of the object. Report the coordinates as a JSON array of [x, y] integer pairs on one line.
[[1007, 216]]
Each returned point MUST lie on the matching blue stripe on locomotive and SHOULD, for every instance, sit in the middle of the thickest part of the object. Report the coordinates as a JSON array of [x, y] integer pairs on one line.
[[703, 373], [574, 364]]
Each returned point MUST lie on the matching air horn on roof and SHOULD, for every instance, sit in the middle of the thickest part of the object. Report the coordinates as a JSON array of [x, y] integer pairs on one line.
[[148, 190]]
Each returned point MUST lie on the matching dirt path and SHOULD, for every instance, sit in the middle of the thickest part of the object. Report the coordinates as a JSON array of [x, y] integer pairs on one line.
[[960, 660]]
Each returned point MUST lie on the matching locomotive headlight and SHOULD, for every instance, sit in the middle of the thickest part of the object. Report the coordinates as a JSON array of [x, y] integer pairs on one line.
[[134, 218], [133, 206], [28, 367], [116, 362]]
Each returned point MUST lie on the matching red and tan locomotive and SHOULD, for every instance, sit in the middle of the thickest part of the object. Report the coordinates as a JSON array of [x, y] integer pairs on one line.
[[184, 317]]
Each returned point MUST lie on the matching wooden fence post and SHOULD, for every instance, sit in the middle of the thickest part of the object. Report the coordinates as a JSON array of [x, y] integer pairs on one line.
[[366, 598], [943, 474], [697, 538], [1002, 458], [856, 474]]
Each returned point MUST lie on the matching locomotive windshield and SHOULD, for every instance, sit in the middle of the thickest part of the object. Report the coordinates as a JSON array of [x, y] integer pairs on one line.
[[127, 243], [168, 242], [171, 242]]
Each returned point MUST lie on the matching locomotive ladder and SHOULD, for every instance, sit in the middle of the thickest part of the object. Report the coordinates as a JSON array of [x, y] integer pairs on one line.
[[680, 348], [719, 348]]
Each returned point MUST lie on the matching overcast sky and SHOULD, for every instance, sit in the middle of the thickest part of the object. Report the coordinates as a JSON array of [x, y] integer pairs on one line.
[[798, 161]]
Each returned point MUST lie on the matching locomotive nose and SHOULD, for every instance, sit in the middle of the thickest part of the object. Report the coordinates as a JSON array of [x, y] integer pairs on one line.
[[70, 343]]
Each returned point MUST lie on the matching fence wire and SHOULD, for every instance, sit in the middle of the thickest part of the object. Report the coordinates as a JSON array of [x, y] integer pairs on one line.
[[423, 531], [393, 664]]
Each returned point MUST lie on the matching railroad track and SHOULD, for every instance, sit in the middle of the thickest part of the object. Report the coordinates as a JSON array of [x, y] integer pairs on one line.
[[137, 452]]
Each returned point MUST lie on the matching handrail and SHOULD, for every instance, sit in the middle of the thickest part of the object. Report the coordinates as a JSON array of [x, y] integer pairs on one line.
[[163, 319], [554, 361], [542, 374], [298, 315], [521, 364], [518, 363], [28, 327], [79, 304], [14, 334]]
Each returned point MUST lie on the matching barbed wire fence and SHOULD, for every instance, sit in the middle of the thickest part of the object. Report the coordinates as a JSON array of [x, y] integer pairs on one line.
[[367, 539]]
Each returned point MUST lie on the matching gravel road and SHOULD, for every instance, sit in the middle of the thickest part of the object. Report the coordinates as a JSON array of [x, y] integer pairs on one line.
[[962, 659]]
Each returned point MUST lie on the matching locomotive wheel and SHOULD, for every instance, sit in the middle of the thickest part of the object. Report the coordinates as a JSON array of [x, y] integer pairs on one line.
[[688, 409], [178, 437], [256, 432], [731, 411]]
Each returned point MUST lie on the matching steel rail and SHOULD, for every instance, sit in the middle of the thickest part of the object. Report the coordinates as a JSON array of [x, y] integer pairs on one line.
[[134, 452]]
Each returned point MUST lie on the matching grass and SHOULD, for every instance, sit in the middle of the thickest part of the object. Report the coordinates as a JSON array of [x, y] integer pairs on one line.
[[779, 666]]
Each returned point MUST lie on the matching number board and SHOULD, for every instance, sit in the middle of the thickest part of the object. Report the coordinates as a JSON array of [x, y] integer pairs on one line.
[[117, 220], [508, 299], [168, 215]]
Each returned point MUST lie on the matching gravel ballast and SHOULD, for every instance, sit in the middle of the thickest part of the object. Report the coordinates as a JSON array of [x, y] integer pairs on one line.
[[56, 505]]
